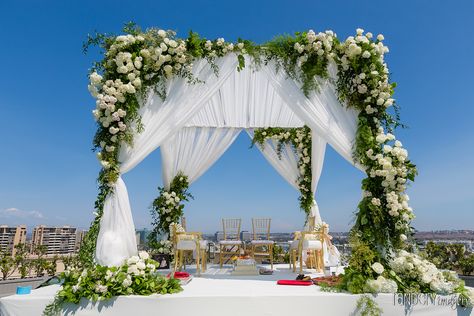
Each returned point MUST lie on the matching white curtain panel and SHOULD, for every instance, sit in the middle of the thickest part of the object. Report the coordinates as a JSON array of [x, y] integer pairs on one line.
[[193, 150], [287, 166], [160, 120], [322, 111], [247, 99], [251, 98]]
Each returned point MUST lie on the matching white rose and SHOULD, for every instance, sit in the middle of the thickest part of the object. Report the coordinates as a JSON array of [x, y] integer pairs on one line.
[[113, 130], [380, 37], [143, 255], [141, 265], [366, 54], [95, 78], [162, 33], [133, 260], [403, 237], [168, 69], [151, 266], [362, 88], [132, 269], [378, 268]]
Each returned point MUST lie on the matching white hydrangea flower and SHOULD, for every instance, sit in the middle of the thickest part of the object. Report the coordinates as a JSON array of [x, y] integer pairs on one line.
[[143, 255]]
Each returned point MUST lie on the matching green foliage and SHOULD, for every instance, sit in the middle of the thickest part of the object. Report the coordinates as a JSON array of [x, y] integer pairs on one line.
[[102, 283], [7, 264], [40, 264], [445, 256], [300, 140], [87, 250], [280, 255], [51, 266], [21, 261], [466, 264], [168, 208], [366, 306]]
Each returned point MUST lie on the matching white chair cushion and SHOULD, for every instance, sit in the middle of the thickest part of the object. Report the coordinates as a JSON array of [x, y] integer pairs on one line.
[[262, 242], [186, 245], [307, 244], [312, 244], [230, 242]]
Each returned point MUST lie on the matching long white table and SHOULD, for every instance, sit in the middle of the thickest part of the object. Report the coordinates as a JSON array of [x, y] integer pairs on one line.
[[217, 294]]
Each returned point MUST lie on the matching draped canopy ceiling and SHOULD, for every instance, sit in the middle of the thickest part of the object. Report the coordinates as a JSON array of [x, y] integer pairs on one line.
[[196, 123]]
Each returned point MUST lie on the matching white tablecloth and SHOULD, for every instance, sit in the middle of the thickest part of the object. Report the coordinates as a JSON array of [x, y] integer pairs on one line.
[[218, 295]]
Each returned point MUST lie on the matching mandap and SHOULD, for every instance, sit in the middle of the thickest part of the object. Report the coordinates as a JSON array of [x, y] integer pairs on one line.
[[293, 95]]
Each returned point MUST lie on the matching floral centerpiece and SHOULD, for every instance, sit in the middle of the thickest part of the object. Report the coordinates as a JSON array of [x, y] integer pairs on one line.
[[136, 276]]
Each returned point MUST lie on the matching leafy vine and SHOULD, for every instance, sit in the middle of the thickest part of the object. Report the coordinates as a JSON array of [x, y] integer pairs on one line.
[[300, 140], [166, 209]]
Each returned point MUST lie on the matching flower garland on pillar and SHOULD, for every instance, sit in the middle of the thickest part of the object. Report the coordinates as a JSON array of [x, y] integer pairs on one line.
[[300, 140], [167, 209]]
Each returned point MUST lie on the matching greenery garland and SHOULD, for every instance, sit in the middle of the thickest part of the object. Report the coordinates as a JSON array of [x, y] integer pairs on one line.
[[138, 62], [166, 209], [300, 140], [367, 306], [136, 276]]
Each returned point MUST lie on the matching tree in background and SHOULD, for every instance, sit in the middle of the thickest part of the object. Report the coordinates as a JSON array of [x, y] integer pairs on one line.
[[280, 255], [466, 264], [70, 261], [445, 256], [7, 264], [51, 266], [21, 260], [40, 263]]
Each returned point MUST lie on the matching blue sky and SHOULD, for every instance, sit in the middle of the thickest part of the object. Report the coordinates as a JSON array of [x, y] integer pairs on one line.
[[47, 170]]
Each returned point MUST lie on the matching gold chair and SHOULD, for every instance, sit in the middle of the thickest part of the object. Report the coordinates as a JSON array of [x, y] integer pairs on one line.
[[310, 241], [188, 241], [231, 245], [261, 239]]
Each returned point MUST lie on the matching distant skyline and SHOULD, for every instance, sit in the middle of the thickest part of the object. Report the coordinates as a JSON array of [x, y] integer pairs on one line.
[[48, 172]]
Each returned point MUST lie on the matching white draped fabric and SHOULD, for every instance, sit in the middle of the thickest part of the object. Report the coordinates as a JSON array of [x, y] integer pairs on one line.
[[251, 98], [193, 150], [287, 166]]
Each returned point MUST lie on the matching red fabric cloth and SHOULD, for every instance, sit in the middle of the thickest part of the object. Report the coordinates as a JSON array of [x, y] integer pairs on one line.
[[180, 275], [294, 282]]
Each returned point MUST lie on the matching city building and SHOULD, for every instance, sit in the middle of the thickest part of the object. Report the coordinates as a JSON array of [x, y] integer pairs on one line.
[[245, 235], [80, 235], [10, 237], [58, 240], [142, 236], [219, 235]]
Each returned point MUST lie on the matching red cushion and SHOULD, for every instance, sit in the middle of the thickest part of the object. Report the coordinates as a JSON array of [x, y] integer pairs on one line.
[[180, 275], [294, 282]]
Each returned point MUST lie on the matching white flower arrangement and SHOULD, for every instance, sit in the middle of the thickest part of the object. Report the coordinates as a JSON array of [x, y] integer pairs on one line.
[[409, 266], [382, 285], [136, 276]]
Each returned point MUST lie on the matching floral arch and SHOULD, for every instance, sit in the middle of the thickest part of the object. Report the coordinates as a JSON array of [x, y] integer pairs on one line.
[[154, 89]]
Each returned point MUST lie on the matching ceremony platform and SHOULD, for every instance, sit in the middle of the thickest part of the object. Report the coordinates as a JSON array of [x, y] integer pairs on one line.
[[218, 293]]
